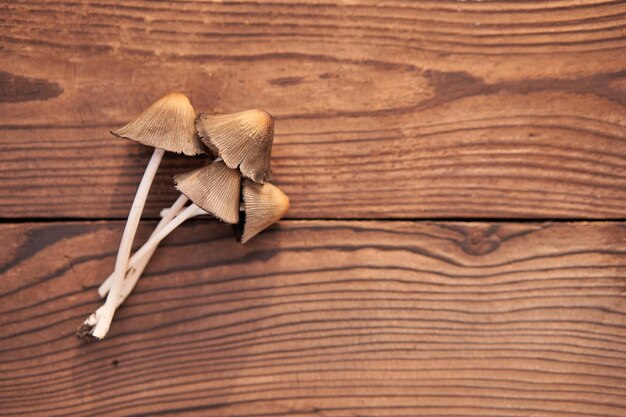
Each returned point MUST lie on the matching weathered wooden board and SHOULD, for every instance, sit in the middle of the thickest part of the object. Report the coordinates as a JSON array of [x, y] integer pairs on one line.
[[358, 318], [412, 109]]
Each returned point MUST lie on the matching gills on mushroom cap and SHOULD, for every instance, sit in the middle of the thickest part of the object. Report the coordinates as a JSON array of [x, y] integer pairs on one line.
[[243, 140], [264, 205], [214, 188], [169, 124]]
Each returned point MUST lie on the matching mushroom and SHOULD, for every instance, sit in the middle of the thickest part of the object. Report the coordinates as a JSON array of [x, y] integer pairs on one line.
[[167, 125], [243, 140], [264, 205]]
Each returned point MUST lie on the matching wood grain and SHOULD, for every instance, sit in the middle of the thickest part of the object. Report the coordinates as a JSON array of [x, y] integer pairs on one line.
[[359, 318], [405, 109]]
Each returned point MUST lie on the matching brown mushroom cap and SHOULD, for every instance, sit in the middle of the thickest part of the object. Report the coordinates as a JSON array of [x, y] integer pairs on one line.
[[169, 123], [242, 140], [215, 188], [264, 205]]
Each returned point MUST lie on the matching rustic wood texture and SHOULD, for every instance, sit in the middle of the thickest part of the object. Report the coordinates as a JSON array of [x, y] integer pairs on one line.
[[359, 318], [392, 109], [407, 109]]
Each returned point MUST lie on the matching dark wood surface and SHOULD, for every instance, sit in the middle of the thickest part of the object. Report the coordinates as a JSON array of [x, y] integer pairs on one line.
[[319, 318], [396, 109], [388, 114]]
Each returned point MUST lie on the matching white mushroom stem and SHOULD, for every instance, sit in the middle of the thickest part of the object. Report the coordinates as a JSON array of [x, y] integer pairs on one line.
[[153, 242], [137, 265], [135, 269], [121, 263], [164, 212]]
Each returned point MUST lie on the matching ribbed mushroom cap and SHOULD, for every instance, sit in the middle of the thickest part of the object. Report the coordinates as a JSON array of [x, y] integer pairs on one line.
[[215, 188], [242, 139], [167, 124], [264, 205]]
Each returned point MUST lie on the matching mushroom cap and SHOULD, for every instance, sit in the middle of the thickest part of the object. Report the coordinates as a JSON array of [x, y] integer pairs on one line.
[[214, 188], [243, 140], [169, 123], [264, 205]]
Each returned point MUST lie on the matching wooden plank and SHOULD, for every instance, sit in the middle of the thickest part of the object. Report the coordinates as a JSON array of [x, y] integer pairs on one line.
[[321, 319], [407, 109]]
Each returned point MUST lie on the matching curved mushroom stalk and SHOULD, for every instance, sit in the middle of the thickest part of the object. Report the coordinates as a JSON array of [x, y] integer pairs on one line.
[[191, 211], [137, 265], [121, 263], [88, 329], [115, 292]]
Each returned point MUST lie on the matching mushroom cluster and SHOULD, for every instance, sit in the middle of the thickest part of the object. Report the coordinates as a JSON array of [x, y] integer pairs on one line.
[[234, 187]]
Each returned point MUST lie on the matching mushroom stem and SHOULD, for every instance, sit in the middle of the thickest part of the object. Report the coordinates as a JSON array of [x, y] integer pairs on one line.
[[153, 242], [121, 263], [137, 265]]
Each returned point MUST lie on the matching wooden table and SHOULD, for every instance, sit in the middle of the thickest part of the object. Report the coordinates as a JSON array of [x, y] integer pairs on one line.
[[455, 247]]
